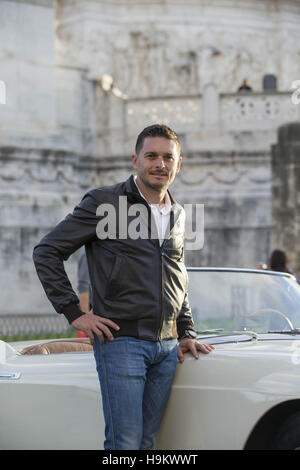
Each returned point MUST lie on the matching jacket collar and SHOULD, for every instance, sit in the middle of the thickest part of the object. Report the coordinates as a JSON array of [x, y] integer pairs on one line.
[[131, 188], [132, 192]]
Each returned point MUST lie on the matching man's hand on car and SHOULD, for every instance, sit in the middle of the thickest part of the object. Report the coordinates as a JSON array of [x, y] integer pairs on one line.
[[192, 345]]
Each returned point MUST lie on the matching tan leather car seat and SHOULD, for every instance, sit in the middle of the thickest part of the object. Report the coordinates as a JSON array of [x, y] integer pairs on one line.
[[59, 346]]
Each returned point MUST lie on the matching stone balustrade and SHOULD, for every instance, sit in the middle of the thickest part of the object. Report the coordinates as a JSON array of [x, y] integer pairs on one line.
[[257, 111]]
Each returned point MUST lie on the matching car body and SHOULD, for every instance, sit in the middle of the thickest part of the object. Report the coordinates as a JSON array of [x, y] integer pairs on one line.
[[243, 395]]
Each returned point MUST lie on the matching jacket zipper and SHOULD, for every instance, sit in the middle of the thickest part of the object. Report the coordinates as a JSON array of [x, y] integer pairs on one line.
[[161, 254]]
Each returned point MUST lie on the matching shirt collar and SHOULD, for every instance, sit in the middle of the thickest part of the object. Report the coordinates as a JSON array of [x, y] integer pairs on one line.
[[164, 207]]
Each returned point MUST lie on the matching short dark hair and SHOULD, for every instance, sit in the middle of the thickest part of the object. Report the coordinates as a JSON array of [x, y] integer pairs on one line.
[[278, 261], [157, 130]]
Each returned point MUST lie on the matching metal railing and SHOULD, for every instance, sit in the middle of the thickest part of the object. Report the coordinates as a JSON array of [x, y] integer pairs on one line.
[[33, 324]]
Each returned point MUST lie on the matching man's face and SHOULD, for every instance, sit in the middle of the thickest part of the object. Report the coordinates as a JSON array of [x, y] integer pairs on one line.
[[157, 162]]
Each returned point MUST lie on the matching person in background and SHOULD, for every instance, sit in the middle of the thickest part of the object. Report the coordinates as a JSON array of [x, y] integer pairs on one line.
[[261, 265], [279, 262], [83, 286], [245, 86]]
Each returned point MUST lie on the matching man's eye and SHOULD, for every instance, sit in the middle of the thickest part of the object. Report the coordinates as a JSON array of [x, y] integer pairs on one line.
[[165, 157]]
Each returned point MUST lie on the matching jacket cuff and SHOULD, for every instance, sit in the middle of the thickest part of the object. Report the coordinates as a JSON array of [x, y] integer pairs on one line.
[[181, 331], [72, 311]]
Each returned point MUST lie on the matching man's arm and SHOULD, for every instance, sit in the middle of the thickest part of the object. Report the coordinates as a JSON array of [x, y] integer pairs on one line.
[[56, 247], [49, 255], [185, 322], [185, 319]]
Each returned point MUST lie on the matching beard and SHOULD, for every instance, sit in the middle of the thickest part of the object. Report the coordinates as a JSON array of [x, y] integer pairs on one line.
[[156, 185]]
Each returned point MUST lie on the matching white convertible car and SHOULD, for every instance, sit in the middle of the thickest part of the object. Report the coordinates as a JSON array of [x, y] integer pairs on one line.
[[243, 395]]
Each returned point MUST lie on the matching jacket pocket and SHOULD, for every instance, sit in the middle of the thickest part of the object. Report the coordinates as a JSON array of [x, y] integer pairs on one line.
[[113, 283]]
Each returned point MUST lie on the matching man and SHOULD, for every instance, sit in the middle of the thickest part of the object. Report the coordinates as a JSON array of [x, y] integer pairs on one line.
[[245, 86], [139, 284]]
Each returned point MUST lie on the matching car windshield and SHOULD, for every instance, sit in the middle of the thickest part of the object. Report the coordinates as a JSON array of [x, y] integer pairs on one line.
[[243, 300]]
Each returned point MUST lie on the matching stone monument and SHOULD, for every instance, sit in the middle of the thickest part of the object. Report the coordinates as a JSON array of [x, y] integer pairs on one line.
[[83, 77]]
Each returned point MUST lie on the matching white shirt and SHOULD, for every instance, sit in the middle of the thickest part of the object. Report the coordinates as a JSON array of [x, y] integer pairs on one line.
[[161, 214]]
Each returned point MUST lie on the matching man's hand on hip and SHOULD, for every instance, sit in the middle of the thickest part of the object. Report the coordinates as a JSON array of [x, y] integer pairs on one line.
[[90, 323], [192, 345]]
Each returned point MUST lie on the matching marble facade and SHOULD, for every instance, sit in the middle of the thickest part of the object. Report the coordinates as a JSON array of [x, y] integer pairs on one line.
[[83, 77]]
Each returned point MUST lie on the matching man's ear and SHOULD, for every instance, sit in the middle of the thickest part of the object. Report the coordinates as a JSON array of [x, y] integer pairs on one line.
[[134, 159], [179, 164]]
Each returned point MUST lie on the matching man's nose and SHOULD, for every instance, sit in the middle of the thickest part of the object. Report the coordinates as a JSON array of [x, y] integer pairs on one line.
[[160, 163]]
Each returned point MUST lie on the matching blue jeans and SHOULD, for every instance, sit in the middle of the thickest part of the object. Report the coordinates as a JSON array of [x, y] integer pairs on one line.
[[135, 378]]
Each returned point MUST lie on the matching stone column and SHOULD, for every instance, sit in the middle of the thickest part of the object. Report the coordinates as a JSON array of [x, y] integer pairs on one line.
[[285, 232]]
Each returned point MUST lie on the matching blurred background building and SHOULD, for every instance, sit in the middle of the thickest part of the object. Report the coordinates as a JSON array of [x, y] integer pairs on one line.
[[83, 77]]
